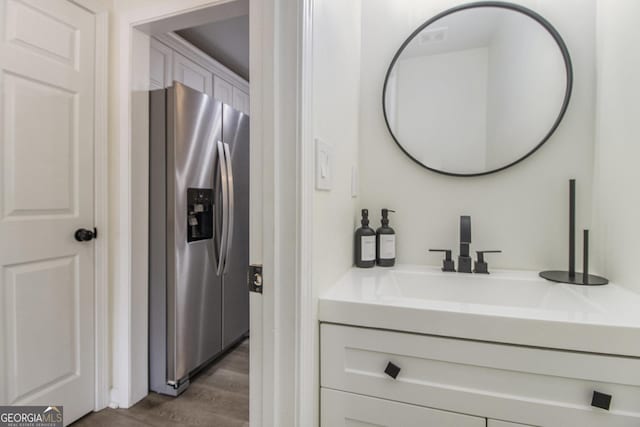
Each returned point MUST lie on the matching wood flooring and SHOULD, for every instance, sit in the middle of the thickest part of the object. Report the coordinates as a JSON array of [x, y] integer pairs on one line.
[[217, 397]]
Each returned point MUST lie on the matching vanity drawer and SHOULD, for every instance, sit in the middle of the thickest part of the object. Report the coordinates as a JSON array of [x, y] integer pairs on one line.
[[340, 409], [496, 423], [522, 384]]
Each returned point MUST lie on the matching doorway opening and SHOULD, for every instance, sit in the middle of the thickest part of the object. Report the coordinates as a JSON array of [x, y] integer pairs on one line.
[[190, 217]]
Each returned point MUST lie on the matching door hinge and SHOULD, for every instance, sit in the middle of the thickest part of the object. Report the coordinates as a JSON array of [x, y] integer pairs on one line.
[[255, 278]]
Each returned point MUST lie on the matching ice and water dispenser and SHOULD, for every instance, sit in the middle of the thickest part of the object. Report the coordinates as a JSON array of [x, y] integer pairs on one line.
[[199, 214]]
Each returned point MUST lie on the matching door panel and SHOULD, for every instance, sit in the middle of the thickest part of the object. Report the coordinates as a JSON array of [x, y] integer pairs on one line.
[[46, 184], [48, 189], [31, 287], [40, 31]]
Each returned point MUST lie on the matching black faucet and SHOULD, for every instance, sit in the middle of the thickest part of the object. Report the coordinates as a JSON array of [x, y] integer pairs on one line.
[[464, 260]]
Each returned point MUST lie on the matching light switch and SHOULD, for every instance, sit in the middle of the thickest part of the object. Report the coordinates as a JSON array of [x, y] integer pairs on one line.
[[324, 165]]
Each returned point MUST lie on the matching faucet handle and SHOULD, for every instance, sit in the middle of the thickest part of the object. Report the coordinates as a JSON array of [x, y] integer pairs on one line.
[[480, 266], [447, 263]]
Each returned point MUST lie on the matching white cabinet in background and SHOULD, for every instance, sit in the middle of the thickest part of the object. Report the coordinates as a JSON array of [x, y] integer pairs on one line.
[[222, 90], [240, 101], [341, 409], [173, 58], [161, 65], [191, 74], [228, 94]]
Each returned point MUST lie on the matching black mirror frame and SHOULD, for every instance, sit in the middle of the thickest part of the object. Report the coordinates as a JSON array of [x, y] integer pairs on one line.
[[504, 5]]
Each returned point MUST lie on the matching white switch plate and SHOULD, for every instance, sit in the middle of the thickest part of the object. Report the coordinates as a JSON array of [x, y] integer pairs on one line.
[[324, 165]]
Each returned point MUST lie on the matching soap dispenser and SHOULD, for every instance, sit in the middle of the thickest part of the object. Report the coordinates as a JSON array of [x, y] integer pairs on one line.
[[365, 244], [385, 242]]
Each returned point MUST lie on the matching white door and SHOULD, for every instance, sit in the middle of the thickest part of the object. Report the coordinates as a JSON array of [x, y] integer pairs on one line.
[[191, 74], [340, 409], [46, 194]]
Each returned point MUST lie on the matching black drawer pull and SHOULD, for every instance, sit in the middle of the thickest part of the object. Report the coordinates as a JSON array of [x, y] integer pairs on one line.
[[392, 370], [601, 400]]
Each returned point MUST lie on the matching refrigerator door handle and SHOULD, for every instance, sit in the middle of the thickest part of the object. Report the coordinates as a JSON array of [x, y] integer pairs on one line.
[[230, 209], [225, 207]]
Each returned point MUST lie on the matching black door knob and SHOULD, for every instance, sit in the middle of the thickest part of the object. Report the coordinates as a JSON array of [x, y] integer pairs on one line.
[[84, 235]]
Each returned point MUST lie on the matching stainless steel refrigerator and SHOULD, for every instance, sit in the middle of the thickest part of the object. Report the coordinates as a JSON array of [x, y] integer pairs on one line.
[[198, 233]]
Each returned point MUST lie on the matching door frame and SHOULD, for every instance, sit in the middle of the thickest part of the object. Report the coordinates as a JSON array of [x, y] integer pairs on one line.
[[279, 165], [101, 200], [307, 347]]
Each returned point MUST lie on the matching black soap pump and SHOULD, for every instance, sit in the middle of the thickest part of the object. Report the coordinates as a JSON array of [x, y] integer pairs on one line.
[[365, 244], [386, 242]]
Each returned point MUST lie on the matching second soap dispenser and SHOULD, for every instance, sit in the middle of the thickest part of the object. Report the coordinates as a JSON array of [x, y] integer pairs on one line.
[[385, 242]]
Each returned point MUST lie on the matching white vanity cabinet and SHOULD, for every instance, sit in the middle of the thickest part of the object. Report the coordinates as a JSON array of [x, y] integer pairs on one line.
[[501, 385], [173, 58]]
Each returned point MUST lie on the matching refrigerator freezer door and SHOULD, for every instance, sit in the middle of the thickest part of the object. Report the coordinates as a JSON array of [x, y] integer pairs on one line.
[[235, 293], [194, 303]]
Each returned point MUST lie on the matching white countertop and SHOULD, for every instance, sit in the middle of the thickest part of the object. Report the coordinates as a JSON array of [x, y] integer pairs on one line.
[[515, 307]]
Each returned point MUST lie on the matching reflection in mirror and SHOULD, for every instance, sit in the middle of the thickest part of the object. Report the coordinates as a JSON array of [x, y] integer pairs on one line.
[[477, 89]]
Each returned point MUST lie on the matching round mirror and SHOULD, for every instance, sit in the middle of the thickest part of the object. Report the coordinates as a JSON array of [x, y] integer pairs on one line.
[[477, 88]]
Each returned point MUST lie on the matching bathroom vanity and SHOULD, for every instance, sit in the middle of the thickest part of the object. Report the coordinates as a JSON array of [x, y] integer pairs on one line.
[[414, 346], [472, 91]]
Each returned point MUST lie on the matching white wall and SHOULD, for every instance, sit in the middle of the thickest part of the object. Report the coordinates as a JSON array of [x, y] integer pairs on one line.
[[336, 73], [523, 210], [617, 198], [336, 69]]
